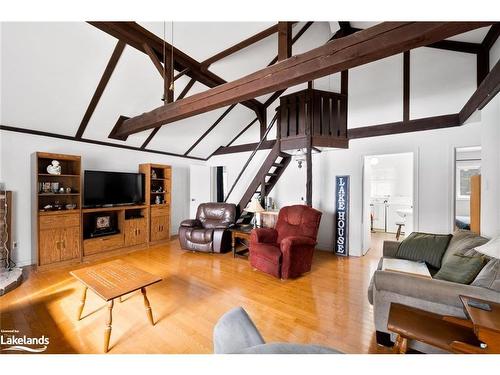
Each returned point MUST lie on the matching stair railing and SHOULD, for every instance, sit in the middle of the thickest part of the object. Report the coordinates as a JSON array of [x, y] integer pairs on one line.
[[252, 155]]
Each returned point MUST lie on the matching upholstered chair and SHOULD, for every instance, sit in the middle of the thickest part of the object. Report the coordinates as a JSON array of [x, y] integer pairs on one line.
[[287, 250], [208, 232]]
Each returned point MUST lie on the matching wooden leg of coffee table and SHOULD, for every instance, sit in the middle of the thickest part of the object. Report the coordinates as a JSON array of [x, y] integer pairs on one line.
[[109, 321], [82, 303], [147, 306], [397, 343], [233, 245], [401, 345], [404, 345]]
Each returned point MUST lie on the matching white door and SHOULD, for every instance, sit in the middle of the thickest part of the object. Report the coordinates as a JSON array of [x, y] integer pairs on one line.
[[200, 182]]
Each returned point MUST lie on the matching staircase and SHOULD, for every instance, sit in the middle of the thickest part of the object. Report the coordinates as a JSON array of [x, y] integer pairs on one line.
[[267, 176], [265, 179]]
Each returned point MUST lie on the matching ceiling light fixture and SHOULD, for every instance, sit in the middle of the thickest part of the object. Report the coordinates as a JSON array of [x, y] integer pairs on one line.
[[299, 155]]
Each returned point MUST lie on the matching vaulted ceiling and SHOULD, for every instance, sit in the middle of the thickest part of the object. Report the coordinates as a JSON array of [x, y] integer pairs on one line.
[[51, 70]]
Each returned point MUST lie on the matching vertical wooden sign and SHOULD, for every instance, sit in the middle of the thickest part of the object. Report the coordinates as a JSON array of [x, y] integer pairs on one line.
[[341, 245]]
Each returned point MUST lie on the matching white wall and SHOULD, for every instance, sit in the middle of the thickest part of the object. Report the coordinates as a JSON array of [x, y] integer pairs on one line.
[[15, 172], [490, 170]]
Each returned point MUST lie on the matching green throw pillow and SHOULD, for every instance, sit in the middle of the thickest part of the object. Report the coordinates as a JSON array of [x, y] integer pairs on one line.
[[425, 247], [461, 269]]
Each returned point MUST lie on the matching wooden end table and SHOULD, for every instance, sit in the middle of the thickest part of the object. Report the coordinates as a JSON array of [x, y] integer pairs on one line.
[[112, 280], [242, 233], [480, 334]]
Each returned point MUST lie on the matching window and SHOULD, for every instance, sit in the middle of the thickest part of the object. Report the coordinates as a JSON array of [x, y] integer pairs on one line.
[[465, 170]]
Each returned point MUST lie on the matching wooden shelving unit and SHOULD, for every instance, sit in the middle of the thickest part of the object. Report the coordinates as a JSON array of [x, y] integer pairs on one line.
[[62, 236], [57, 230], [158, 186]]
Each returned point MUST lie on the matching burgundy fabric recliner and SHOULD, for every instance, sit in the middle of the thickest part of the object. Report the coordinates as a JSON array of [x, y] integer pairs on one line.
[[286, 251]]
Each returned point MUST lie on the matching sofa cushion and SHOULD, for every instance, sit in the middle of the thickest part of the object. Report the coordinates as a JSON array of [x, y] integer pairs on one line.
[[461, 269], [461, 243], [489, 277], [424, 247]]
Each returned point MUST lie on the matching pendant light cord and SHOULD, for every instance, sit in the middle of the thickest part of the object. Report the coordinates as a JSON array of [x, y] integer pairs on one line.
[[172, 60]]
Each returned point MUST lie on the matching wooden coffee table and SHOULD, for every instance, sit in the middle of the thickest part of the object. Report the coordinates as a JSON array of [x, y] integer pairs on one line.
[[112, 280], [479, 334]]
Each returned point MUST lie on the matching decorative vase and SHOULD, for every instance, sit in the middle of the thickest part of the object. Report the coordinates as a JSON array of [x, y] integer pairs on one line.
[[54, 168]]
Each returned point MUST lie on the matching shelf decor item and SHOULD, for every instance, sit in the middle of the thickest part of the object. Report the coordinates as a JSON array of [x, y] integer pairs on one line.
[[54, 168], [54, 187]]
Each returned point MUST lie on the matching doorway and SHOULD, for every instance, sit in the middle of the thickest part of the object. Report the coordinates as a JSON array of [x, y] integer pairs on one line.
[[207, 184], [467, 171], [388, 195]]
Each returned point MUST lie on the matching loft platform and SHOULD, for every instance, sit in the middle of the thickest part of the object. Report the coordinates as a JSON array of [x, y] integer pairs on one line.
[[312, 118]]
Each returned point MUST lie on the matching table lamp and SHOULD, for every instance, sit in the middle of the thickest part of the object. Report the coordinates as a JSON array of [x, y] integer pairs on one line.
[[254, 207]]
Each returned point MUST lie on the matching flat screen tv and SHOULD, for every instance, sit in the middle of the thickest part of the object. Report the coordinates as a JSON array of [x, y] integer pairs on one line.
[[112, 188]]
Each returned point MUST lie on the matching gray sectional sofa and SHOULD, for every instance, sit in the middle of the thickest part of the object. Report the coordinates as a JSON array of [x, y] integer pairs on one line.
[[432, 295]]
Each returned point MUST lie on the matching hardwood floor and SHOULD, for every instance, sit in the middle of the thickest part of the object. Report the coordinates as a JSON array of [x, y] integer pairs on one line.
[[328, 306]]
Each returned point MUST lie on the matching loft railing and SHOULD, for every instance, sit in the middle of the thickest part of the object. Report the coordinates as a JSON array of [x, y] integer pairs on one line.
[[273, 121]]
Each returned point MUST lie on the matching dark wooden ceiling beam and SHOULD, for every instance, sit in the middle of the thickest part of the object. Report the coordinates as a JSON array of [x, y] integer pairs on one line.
[[457, 46], [92, 141], [378, 42], [406, 86], [284, 40], [241, 45], [108, 71], [244, 148], [212, 127], [448, 45], [168, 94], [297, 36], [184, 92], [136, 36], [492, 36], [242, 131], [429, 123], [486, 91]]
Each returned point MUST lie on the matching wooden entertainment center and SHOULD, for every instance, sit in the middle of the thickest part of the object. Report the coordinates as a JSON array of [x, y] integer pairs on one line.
[[63, 229]]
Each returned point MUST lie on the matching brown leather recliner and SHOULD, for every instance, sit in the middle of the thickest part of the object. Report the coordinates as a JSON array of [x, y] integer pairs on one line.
[[208, 232]]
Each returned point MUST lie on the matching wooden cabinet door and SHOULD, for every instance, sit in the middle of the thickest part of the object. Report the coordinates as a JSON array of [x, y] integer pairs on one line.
[[160, 228], [50, 242], [142, 231], [70, 247], [129, 229], [135, 232]]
